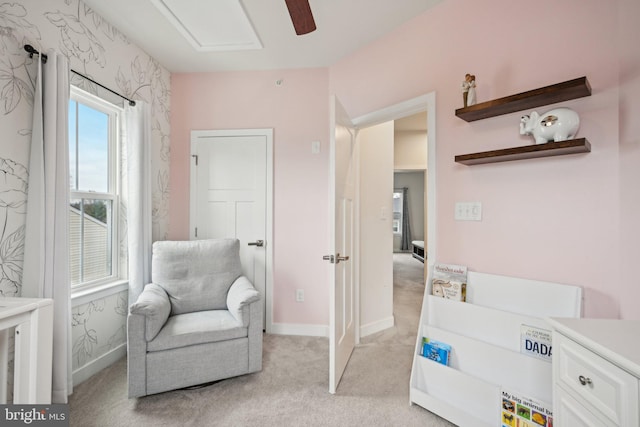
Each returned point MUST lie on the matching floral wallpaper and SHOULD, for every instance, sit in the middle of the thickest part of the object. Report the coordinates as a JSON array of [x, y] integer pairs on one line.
[[90, 334], [98, 50]]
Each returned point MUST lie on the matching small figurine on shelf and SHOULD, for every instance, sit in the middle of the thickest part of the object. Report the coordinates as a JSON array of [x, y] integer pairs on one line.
[[471, 97], [465, 89], [469, 90]]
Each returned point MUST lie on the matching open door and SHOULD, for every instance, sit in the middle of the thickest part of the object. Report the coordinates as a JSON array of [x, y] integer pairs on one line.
[[342, 171]]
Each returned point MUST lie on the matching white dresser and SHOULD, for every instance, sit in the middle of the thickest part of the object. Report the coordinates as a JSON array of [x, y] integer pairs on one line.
[[596, 371], [32, 319]]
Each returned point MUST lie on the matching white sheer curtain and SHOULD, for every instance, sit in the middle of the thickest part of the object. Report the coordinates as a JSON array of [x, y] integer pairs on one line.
[[46, 248], [137, 133]]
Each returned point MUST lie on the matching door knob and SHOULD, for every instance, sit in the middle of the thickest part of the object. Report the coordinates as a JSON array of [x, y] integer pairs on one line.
[[256, 243], [329, 258], [335, 259]]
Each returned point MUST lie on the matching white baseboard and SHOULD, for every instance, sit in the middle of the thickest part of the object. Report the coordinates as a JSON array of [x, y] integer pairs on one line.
[[323, 330], [299, 329], [83, 373], [380, 325]]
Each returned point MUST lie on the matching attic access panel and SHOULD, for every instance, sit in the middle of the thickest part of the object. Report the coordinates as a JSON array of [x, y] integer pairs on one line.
[[219, 25]]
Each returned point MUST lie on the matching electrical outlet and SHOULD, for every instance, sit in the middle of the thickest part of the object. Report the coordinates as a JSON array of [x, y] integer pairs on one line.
[[299, 295]]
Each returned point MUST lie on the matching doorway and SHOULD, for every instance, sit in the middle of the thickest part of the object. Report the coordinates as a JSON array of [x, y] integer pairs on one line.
[[409, 198], [375, 298], [231, 197]]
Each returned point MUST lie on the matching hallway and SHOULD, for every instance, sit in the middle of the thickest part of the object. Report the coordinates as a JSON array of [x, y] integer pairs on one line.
[[408, 290]]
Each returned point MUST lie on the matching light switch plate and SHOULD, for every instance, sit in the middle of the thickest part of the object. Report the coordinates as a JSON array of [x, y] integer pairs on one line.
[[315, 147], [468, 211], [476, 211]]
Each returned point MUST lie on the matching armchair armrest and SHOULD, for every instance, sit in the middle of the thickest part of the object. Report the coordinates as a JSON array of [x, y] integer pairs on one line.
[[153, 303], [146, 317], [241, 293]]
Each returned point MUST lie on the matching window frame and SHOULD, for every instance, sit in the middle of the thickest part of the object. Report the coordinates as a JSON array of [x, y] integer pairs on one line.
[[114, 183], [398, 230]]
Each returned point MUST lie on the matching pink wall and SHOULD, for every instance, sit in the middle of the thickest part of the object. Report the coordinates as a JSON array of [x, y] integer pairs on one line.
[[570, 219], [298, 111], [629, 145], [558, 219]]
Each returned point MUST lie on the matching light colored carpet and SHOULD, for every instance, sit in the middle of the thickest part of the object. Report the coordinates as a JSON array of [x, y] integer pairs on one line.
[[292, 388]]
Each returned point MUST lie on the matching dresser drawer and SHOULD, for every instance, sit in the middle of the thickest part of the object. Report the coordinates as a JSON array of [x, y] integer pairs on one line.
[[596, 382], [568, 412]]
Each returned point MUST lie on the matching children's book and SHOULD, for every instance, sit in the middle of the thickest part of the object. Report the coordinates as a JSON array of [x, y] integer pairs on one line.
[[519, 410], [436, 350], [449, 281], [535, 342]]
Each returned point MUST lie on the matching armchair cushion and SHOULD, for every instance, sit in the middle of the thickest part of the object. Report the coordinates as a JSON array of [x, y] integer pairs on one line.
[[153, 303], [196, 274], [200, 327]]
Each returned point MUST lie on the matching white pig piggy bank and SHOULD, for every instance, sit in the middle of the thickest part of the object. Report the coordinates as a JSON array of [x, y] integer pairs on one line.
[[555, 125]]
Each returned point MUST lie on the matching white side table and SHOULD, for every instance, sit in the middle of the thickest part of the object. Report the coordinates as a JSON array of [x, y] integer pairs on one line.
[[33, 320]]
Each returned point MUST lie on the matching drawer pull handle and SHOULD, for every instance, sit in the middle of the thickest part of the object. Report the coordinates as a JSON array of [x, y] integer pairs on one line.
[[584, 380]]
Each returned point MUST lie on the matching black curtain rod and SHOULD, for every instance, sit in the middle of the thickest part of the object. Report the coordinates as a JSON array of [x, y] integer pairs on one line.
[[32, 51], [130, 101]]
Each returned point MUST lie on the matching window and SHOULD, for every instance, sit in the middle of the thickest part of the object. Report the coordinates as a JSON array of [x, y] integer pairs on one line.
[[397, 211], [94, 189]]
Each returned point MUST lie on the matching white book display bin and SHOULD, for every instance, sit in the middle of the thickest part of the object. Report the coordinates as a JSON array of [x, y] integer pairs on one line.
[[484, 334]]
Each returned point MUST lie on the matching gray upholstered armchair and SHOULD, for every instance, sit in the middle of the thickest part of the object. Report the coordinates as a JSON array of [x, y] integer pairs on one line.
[[198, 321]]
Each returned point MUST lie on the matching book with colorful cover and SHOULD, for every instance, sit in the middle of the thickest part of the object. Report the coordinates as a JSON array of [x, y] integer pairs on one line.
[[518, 410], [436, 350], [449, 281]]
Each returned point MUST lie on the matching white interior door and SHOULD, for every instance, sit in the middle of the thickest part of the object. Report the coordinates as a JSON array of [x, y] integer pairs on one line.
[[230, 182], [342, 316]]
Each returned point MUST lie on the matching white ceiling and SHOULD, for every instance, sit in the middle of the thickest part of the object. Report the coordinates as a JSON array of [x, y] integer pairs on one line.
[[344, 26]]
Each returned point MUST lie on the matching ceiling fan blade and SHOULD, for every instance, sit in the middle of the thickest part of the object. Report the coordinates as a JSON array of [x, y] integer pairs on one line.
[[301, 16]]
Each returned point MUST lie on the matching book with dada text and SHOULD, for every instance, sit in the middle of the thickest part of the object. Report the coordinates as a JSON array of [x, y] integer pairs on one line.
[[436, 350], [449, 281], [535, 342]]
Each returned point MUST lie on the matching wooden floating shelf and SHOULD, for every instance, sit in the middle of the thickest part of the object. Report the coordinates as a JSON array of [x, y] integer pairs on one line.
[[572, 146], [565, 91]]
